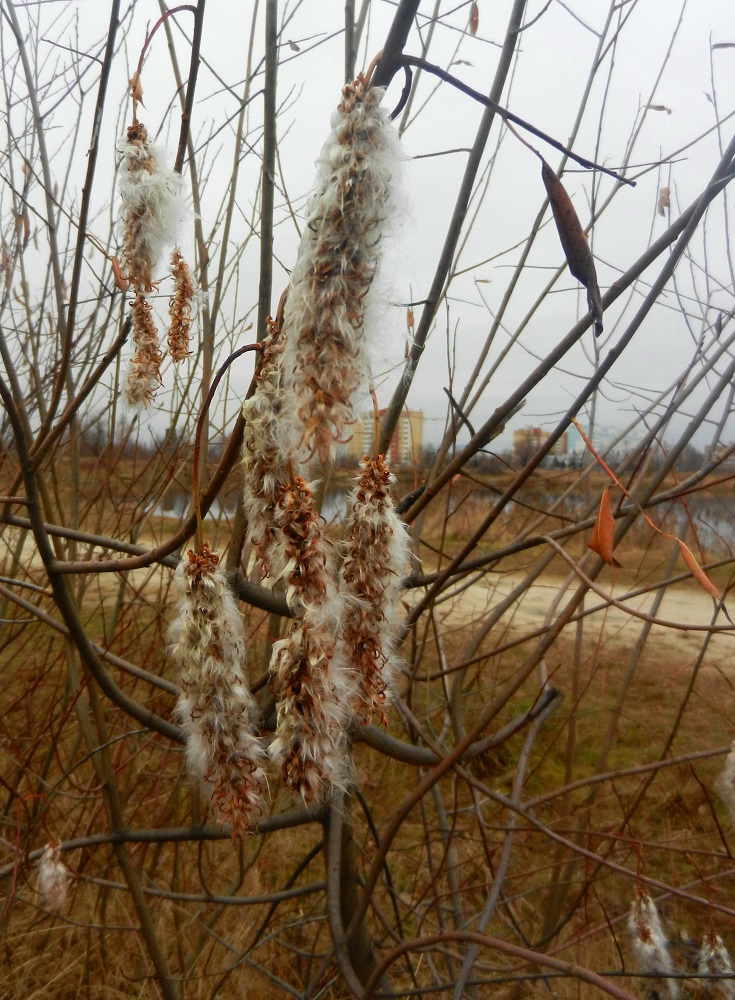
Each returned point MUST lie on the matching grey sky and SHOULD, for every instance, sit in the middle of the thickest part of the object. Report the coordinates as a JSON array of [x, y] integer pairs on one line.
[[547, 85]]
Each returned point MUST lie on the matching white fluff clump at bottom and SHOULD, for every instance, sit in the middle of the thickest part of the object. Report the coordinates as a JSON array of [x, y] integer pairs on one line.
[[215, 707], [649, 941], [53, 877], [714, 961], [377, 557], [324, 315]]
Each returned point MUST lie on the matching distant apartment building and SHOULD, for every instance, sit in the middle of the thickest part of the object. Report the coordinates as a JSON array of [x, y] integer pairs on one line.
[[406, 444], [529, 439]]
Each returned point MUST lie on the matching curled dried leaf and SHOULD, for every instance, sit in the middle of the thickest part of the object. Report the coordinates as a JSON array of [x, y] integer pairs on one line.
[[664, 200], [409, 319], [121, 282], [602, 538], [136, 88], [474, 19], [658, 107], [574, 242], [697, 572]]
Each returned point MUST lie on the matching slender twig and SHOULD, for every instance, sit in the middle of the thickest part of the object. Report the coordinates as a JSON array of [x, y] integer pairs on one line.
[[505, 947], [222, 370], [149, 38], [508, 116], [196, 44], [389, 60]]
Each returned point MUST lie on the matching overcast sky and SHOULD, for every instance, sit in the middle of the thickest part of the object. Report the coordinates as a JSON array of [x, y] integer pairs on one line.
[[546, 86]]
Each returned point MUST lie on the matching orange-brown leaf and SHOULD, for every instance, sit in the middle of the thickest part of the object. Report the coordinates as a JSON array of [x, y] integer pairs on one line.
[[664, 200], [603, 533], [409, 319], [120, 280], [136, 88], [697, 572], [474, 19], [574, 242]]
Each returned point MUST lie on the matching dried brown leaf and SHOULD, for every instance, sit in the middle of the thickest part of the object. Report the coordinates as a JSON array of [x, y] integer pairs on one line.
[[117, 272], [659, 107], [136, 88], [409, 319], [664, 200], [697, 572], [574, 242], [474, 19], [602, 537]]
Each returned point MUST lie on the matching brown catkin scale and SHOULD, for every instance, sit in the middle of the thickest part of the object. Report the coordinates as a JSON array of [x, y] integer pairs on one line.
[[180, 309]]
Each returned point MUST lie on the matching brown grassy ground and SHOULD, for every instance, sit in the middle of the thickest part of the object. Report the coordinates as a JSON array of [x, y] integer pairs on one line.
[[679, 692]]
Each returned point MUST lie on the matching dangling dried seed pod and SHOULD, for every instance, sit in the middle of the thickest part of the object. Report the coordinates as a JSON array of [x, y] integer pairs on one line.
[[150, 209], [313, 687], [215, 707], [144, 375], [574, 242], [337, 261], [376, 560], [180, 309]]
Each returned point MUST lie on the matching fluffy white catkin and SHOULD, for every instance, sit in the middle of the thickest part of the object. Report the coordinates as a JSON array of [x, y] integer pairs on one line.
[[264, 466], [215, 707], [150, 207], [377, 558], [649, 941], [53, 877], [150, 215], [714, 961], [313, 687], [337, 261]]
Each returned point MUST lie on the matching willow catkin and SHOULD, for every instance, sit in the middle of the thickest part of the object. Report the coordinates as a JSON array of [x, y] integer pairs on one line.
[[264, 464], [180, 308], [313, 687], [714, 960], [325, 355], [377, 558], [144, 374], [53, 877], [649, 941], [215, 707], [150, 215], [150, 207]]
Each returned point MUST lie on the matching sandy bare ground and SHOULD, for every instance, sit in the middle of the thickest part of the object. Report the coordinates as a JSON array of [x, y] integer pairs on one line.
[[682, 605]]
